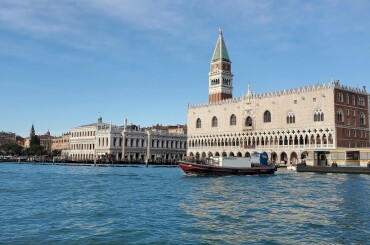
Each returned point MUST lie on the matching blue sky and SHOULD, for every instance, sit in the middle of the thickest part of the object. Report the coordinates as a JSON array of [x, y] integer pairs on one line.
[[62, 63]]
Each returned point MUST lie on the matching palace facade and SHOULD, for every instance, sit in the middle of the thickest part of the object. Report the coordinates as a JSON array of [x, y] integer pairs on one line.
[[61, 143], [128, 143], [7, 138], [306, 124]]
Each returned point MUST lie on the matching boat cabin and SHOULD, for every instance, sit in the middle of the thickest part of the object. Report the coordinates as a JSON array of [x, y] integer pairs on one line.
[[240, 162]]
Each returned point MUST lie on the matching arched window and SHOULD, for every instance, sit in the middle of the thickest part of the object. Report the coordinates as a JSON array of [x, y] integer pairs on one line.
[[340, 115], [214, 122], [361, 101], [290, 118], [248, 122], [267, 116], [233, 120], [198, 123], [362, 119], [340, 97], [318, 115]]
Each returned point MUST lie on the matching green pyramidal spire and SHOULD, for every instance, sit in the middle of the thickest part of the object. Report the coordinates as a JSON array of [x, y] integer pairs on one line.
[[220, 52]]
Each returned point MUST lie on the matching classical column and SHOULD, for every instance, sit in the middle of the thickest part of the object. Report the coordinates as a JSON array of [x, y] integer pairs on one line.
[[148, 153], [123, 144]]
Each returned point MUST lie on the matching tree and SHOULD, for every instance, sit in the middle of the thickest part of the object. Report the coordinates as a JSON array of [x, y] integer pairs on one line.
[[11, 149], [37, 150], [56, 152], [34, 140]]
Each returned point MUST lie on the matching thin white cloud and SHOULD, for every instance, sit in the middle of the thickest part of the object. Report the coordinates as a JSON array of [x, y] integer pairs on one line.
[[85, 24], [35, 17], [147, 14]]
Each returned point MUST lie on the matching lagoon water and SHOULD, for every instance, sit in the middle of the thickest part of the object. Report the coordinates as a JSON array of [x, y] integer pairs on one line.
[[50, 204]]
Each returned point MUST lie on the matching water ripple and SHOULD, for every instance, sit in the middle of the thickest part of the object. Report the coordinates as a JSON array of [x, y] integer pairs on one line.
[[92, 205]]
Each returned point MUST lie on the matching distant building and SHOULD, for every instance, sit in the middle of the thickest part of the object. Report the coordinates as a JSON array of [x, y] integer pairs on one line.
[[126, 143], [45, 139], [7, 138], [177, 129], [61, 143], [27, 140], [307, 124], [20, 141]]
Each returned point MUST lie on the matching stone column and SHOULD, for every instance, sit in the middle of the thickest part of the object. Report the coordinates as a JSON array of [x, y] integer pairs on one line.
[[123, 144], [148, 147]]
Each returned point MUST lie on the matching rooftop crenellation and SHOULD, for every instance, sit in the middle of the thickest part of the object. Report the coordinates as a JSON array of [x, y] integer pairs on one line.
[[315, 87]]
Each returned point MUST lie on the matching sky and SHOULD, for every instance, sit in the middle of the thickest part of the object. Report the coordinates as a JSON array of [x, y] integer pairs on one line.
[[64, 63]]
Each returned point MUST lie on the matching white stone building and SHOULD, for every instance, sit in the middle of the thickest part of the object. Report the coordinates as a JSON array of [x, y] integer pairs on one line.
[[109, 143], [294, 125]]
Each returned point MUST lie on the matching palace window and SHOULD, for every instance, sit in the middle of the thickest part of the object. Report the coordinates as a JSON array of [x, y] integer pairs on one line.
[[340, 97], [318, 116], [267, 116], [340, 115], [347, 99], [198, 123], [361, 101], [354, 112], [214, 122], [362, 119], [248, 122], [353, 100], [233, 120], [290, 118]]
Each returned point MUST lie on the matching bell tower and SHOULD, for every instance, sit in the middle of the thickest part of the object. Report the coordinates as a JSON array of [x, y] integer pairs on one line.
[[220, 76], [32, 131]]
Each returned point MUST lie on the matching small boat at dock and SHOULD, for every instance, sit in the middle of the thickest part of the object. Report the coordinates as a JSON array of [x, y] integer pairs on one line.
[[218, 166], [292, 168]]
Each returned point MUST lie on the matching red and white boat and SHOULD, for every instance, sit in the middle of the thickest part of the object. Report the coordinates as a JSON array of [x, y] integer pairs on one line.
[[256, 164]]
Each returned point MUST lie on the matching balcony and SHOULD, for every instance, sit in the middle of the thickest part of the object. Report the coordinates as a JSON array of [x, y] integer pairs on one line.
[[267, 147]]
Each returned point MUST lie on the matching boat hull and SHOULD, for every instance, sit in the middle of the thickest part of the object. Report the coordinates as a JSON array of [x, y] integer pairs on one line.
[[209, 170]]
